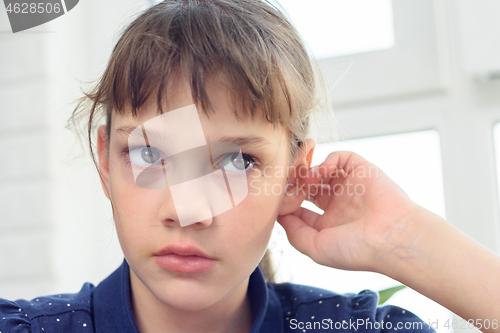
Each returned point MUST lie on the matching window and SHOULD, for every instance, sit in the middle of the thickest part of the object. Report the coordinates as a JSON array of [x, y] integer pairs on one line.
[[339, 27], [496, 138]]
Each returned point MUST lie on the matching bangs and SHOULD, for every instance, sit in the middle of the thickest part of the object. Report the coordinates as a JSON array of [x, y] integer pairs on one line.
[[235, 42]]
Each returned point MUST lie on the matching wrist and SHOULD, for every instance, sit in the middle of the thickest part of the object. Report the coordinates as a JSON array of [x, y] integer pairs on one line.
[[412, 245], [443, 263]]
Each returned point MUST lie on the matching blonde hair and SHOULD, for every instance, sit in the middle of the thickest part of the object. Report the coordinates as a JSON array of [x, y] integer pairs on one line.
[[249, 43]]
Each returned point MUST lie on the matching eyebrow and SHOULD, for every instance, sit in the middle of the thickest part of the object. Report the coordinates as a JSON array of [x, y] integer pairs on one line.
[[249, 141], [252, 141], [125, 130]]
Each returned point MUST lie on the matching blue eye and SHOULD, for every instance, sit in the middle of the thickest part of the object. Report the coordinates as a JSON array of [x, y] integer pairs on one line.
[[145, 155], [232, 162], [237, 162]]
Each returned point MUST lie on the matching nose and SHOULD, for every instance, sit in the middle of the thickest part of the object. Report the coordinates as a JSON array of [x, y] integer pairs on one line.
[[198, 199], [189, 203]]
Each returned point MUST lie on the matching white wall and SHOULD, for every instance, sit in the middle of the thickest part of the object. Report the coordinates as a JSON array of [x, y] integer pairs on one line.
[[25, 184], [56, 228]]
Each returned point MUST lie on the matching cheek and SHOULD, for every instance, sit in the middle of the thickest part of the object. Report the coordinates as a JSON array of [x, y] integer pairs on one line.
[[268, 185], [134, 207], [255, 216]]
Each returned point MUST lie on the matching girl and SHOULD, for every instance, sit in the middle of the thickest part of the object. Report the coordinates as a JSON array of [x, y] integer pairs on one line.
[[205, 146]]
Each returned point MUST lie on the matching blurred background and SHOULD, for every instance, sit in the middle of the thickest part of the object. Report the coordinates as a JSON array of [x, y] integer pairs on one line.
[[415, 86]]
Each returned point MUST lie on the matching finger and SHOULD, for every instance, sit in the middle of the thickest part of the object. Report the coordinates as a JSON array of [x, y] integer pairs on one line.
[[320, 194], [307, 192], [311, 192], [334, 172], [300, 234], [306, 215], [325, 174], [338, 165], [315, 220], [345, 160]]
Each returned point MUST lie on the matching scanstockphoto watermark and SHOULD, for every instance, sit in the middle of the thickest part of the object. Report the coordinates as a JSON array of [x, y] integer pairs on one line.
[[256, 187], [322, 171], [357, 324], [332, 180]]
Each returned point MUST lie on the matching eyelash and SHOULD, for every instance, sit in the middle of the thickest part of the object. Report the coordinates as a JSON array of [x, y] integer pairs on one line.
[[253, 160]]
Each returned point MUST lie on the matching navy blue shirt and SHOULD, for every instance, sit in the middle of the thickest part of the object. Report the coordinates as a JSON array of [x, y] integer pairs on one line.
[[276, 308]]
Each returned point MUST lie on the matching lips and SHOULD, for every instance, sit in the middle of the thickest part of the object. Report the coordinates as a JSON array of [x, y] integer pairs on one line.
[[184, 258]]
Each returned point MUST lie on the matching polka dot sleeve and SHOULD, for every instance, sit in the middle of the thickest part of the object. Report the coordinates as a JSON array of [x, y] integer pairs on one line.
[[53, 313], [12, 318], [388, 318]]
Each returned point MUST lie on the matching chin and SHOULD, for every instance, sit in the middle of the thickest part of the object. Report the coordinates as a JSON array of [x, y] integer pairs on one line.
[[188, 301]]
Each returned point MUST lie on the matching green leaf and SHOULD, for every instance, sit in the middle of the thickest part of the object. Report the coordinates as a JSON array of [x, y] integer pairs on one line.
[[384, 295]]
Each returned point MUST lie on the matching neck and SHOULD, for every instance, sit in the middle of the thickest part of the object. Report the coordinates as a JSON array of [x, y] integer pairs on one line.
[[231, 314]]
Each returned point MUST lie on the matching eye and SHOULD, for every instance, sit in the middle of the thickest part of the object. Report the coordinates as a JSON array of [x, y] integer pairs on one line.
[[235, 162], [144, 155]]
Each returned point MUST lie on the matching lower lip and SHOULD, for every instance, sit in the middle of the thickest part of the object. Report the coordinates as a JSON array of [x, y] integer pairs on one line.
[[185, 264]]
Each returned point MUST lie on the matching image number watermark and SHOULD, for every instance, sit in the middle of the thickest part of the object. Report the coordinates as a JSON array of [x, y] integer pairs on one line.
[[28, 14], [458, 324]]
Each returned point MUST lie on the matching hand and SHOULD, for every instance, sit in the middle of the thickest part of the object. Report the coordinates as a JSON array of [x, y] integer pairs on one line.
[[365, 224], [378, 228]]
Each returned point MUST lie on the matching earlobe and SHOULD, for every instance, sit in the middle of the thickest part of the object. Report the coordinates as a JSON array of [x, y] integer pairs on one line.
[[103, 156], [291, 200], [295, 189]]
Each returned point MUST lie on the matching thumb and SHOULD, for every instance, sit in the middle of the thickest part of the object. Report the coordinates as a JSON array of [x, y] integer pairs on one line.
[[300, 234]]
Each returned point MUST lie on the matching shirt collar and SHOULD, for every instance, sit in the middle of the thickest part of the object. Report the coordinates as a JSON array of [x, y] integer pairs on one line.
[[113, 311]]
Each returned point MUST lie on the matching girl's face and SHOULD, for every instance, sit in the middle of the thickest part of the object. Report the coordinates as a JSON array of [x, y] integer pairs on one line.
[[146, 219]]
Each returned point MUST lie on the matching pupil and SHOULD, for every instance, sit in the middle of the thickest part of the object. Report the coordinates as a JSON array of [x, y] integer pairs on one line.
[[241, 163], [148, 155]]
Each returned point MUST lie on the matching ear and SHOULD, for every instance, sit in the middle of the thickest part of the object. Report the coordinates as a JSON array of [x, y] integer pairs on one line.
[[103, 155], [292, 198]]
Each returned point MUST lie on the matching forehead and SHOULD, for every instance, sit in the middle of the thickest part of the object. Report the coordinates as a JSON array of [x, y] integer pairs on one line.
[[218, 123]]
